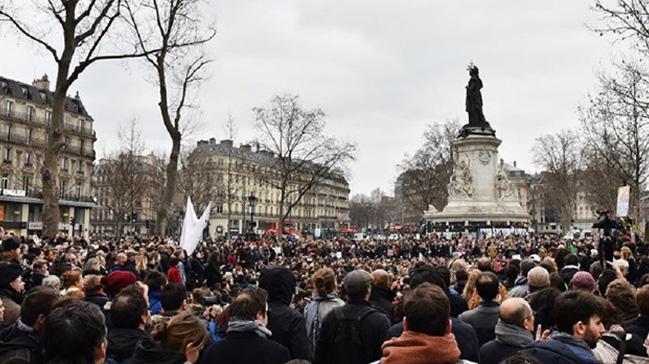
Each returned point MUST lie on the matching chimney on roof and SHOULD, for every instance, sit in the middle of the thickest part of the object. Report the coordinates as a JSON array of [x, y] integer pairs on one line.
[[514, 164], [245, 147], [226, 142], [43, 84], [201, 142], [212, 141]]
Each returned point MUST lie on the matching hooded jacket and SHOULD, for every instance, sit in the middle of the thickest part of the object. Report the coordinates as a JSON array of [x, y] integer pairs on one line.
[[416, 348], [287, 325]]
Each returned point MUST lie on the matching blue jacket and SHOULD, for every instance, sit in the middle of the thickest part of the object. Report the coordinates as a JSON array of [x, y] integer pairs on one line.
[[154, 302], [561, 349]]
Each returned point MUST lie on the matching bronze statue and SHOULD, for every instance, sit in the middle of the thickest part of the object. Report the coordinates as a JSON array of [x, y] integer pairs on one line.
[[477, 122], [474, 99]]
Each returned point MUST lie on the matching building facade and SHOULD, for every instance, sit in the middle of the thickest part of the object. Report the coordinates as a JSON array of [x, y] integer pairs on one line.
[[25, 113], [236, 172]]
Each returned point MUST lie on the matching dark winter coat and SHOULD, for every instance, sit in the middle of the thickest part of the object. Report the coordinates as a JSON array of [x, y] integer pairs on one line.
[[19, 346], [560, 350], [148, 352], [483, 319], [122, 342], [244, 348], [287, 325], [381, 298], [467, 340], [639, 326], [373, 328]]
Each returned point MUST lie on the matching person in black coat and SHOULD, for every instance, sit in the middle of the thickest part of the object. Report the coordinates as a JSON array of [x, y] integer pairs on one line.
[[21, 342], [513, 331], [287, 325], [247, 338], [364, 345], [381, 297], [640, 325], [129, 314]]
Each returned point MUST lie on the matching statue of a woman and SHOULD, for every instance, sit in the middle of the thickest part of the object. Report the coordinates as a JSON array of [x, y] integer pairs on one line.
[[474, 99]]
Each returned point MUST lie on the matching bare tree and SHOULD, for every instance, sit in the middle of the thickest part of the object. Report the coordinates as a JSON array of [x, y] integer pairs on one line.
[[127, 177], [616, 126], [560, 157], [625, 20], [303, 155], [426, 174], [172, 35], [87, 28]]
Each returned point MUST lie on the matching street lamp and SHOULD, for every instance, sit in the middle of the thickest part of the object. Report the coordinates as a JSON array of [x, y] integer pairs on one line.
[[252, 200]]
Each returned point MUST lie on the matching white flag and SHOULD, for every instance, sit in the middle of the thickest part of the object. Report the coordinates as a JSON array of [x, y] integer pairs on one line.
[[193, 227]]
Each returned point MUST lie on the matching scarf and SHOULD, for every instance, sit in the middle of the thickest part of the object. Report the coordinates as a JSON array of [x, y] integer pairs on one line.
[[249, 326], [416, 348], [513, 335]]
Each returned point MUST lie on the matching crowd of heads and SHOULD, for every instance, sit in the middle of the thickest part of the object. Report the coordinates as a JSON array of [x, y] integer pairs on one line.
[[75, 294]]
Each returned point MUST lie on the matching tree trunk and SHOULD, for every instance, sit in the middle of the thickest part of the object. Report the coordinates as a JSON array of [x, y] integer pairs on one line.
[[50, 169], [172, 174]]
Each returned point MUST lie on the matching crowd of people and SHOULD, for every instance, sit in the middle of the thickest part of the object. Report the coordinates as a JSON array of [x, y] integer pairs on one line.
[[506, 299]]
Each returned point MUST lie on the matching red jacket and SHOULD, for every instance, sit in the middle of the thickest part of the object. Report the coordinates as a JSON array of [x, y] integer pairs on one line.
[[173, 275]]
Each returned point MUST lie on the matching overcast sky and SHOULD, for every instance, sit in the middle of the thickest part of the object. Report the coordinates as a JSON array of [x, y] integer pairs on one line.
[[381, 71]]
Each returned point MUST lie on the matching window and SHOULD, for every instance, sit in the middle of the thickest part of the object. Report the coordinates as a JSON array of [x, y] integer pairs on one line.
[[64, 164], [7, 155], [30, 134], [10, 129], [5, 180], [48, 117], [63, 187], [24, 91], [77, 191], [27, 181], [9, 108], [31, 113], [28, 158], [219, 209], [80, 167]]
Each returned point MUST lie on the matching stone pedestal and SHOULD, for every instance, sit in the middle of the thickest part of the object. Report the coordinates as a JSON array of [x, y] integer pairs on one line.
[[479, 190]]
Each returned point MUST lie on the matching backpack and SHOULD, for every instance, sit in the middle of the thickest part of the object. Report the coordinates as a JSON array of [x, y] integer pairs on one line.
[[348, 346]]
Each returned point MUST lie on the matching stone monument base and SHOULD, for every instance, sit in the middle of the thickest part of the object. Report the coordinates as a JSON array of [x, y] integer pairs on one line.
[[479, 190]]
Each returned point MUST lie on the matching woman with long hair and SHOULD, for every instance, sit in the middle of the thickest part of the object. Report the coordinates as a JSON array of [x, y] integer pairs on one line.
[[177, 341]]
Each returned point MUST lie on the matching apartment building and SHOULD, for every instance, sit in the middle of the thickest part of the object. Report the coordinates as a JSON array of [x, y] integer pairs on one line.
[[25, 113]]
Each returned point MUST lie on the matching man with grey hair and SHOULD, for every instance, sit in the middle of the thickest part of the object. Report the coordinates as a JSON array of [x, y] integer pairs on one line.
[[513, 331], [53, 282], [382, 297], [537, 279]]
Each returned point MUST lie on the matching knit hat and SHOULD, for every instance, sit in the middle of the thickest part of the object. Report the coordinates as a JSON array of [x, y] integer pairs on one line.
[[10, 244], [9, 272], [357, 281], [115, 281], [538, 277], [583, 280]]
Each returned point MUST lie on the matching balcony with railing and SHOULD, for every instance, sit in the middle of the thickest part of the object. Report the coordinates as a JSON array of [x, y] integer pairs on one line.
[[16, 138], [33, 118]]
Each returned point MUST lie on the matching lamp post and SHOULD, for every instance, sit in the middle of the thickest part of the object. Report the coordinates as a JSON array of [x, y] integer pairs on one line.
[[252, 200]]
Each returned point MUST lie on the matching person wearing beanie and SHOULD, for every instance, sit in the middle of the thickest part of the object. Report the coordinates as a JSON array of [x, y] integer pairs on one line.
[[11, 290], [10, 250], [116, 280], [583, 281]]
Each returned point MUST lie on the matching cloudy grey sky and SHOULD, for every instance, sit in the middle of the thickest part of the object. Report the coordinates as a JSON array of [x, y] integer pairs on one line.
[[381, 71]]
